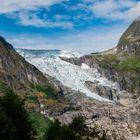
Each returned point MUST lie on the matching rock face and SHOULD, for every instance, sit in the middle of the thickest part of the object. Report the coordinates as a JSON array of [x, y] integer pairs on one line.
[[17, 73], [103, 91]]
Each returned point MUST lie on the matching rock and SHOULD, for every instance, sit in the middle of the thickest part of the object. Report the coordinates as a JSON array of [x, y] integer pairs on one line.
[[104, 91]]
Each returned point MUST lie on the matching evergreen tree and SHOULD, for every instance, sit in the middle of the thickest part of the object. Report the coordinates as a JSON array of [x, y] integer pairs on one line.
[[7, 130], [14, 119], [59, 132]]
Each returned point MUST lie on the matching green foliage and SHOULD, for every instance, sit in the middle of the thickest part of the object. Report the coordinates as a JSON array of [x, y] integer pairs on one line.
[[7, 130], [78, 126], [49, 91], [40, 124], [121, 63], [31, 99], [59, 132], [130, 64], [18, 124], [3, 88], [77, 130], [110, 58]]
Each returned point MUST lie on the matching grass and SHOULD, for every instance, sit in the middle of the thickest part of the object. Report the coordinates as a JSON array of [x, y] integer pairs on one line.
[[107, 61], [122, 63], [128, 65]]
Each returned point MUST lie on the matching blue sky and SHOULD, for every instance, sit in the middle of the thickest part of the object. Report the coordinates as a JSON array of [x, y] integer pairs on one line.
[[78, 25]]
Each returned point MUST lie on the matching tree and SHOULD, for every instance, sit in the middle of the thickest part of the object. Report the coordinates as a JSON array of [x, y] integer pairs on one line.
[[59, 132], [78, 126], [14, 119], [7, 130]]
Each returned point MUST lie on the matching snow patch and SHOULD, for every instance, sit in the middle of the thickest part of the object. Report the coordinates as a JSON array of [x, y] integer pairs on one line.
[[70, 54], [85, 66]]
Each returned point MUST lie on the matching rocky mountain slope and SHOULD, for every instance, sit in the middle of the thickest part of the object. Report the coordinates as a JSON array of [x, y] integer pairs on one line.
[[15, 71], [130, 40], [26, 80]]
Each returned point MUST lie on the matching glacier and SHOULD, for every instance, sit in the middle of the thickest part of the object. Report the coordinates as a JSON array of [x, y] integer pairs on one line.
[[69, 75]]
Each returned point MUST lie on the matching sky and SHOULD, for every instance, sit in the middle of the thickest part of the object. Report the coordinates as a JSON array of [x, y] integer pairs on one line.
[[78, 25]]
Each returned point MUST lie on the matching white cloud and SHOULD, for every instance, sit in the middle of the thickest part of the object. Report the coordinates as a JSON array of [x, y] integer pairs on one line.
[[27, 18], [85, 42], [8, 6], [25, 13], [126, 10]]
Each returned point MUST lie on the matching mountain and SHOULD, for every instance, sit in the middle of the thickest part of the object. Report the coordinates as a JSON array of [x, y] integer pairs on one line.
[[102, 87], [15, 71], [86, 84], [130, 40], [26, 80], [120, 65]]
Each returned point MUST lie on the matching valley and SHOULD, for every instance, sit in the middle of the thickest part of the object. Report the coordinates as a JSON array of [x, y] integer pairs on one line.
[[60, 85]]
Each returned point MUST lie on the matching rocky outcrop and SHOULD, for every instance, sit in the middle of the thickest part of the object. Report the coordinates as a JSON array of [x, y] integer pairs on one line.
[[75, 61], [103, 91]]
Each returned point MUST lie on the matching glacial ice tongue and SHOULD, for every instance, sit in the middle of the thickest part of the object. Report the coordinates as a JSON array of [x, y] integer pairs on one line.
[[68, 74]]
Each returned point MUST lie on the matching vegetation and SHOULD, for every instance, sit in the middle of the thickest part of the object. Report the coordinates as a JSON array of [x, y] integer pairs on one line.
[[14, 120], [50, 93], [40, 124], [59, 132], [77, 130], [130, 64], [108, 60], [3, 89], [17, 124], [122, 63]]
